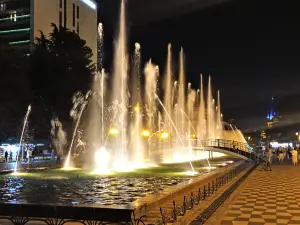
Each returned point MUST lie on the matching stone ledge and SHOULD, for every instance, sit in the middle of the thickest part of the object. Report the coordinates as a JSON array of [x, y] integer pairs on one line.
[[144, 205], [91, 213]]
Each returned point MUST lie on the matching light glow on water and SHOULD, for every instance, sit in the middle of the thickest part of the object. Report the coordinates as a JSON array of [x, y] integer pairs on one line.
[[16, 173], [191, 173], [69, 168], [209, 167]]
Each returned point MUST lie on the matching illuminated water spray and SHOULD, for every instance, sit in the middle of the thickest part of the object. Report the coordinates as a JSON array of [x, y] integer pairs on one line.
[[80, 103], [100, 46], [21, 138], [178, 135], [120, 90]]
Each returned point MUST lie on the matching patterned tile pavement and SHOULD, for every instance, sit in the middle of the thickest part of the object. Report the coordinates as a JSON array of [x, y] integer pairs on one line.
[[265, 198]]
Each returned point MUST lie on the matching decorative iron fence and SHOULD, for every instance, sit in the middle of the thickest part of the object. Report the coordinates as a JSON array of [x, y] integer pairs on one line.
[[189, 202]]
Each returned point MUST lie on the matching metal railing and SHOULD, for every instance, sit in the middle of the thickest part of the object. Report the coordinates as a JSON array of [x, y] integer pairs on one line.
[[180, 209], [196, 143], [236, 147]]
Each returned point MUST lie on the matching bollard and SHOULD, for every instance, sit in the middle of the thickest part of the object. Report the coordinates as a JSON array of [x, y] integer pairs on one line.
[[204, 192], [184, 204], [208, 190], [199, 195], [163, 217]]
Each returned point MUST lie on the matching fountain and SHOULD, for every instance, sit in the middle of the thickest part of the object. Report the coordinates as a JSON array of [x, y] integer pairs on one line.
[[127, 125], [132, 127], [135, 115]]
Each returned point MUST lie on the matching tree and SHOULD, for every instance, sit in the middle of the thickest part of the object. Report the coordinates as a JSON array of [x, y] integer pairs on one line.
[[60, 66]]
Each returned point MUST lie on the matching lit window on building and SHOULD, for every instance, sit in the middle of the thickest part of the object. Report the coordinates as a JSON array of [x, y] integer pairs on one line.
[[13, 17], [3, 7]]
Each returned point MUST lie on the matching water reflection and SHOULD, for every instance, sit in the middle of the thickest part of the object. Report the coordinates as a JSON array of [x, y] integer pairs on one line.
[[61, 187], [104, 191]]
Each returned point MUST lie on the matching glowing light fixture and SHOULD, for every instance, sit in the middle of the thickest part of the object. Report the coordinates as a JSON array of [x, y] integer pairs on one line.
[[145, 133], [90, 3], [164, 135], [137, 108], [113, 131]]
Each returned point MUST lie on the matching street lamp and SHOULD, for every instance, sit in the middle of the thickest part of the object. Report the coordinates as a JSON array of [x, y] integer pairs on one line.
[[164, 135], [145, 133], [113, 131], [137, 108]]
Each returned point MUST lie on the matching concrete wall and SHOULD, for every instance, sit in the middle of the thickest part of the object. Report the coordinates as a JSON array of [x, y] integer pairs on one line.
[[44, 12]]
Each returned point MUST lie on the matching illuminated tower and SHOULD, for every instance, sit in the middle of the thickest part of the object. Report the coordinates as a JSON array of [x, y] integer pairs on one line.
[[272, 115]]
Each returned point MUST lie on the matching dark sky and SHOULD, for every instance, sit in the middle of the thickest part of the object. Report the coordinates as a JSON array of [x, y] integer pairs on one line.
[[250, 47]]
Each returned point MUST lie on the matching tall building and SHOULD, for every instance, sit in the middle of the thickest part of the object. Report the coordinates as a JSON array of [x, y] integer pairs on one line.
[[272, 115], [22, 20]]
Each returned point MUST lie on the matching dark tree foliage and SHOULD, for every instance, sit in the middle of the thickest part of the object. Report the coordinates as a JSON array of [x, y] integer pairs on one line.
[[14, 89], [60, 66]]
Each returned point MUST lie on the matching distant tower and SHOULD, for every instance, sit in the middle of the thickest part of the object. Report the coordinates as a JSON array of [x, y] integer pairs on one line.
[[272, 115]]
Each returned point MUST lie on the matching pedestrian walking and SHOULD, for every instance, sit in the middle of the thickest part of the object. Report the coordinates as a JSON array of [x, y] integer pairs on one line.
[[270, 154], [281, 155], [6, 156], [295, 157]]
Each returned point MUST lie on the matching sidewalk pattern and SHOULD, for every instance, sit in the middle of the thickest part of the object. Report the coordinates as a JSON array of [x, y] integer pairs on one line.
[[268, 198]]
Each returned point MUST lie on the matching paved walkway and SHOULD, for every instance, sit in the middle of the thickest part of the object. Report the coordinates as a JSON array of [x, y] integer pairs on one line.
[[265, 198]]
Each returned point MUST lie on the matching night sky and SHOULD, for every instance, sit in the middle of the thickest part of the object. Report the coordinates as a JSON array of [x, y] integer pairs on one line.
[[251, 48]]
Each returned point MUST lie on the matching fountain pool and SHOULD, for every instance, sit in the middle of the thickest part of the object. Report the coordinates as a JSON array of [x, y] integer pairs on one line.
[[83, 187]]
